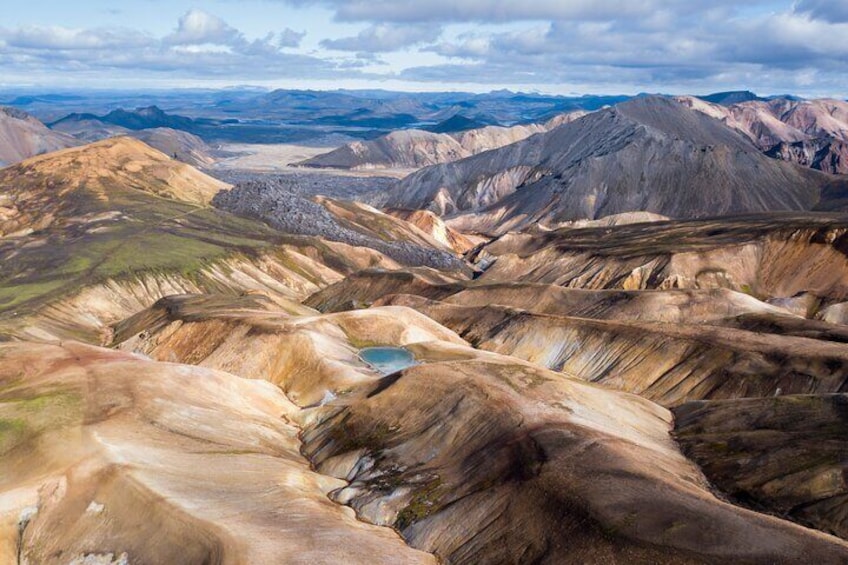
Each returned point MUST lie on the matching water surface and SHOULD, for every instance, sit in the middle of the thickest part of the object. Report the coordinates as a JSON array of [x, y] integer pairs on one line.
[[387, 360]]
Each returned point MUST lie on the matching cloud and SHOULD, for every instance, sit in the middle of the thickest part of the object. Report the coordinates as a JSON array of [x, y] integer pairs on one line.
[[202, 46], [771, 52], [508, 10], [290, 38], [382, 38], [827, 10], [57, 37], [598, 45], [197, 27]]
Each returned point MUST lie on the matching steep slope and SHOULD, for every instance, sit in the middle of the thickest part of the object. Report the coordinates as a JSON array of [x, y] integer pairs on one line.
[[649, 154], [770, 122], [180, 145], [824, 154], [786, 455], [666, 363], [109, 458], [769, 256], [22, 136], [370, 286], [364, 288], [756, 120], [560, 470], [436, 228]]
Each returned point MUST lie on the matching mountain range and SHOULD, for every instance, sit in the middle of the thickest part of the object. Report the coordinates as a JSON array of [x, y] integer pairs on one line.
[[621, 337], [649, 154]]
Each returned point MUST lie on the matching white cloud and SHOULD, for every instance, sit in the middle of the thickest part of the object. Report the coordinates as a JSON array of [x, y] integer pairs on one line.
[[197, 27], [201, 46], [57, 37], [605, 45], [381, 38]]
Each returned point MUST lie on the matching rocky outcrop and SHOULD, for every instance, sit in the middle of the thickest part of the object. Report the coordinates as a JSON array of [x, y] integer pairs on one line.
[[436, 228], [824, 154], [352, 223]]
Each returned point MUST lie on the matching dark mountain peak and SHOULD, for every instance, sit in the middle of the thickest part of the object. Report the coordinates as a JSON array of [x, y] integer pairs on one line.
[[74, 117], [456, 123], [151, 111], [146, 117], [730, 97]]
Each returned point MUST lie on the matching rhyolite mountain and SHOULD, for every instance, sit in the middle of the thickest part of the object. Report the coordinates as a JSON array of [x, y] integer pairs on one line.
[[415, 148], [183, 374], [23, 136], [90, 234], [185, 146], [768, 122], [649, 154], [825, 154]]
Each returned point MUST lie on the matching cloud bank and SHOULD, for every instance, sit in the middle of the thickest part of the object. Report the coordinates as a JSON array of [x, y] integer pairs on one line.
[[600, 45]]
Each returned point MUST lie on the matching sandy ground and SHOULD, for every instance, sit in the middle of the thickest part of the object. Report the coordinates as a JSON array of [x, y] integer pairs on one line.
[[278, 158]]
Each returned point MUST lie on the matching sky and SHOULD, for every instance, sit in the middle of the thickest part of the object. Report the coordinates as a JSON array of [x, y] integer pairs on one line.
[[551, 46]]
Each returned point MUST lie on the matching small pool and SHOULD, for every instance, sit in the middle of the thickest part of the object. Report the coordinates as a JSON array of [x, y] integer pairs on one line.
[[387, 360]]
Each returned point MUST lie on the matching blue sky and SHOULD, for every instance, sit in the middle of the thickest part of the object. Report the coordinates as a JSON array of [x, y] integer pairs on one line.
[[559, 46]]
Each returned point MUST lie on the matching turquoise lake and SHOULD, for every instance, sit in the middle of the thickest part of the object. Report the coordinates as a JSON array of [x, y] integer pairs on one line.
[[387, 360]]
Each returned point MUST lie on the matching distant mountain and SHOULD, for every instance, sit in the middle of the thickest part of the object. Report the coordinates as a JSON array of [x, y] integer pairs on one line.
[[732, 97], [417, 148], [410, 148], [23, 136], [779, 120], [88, 128], [140, 118], [181, 145], [824, 154], [649, 154], [347, 107], [145, 118], [455, 124]]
